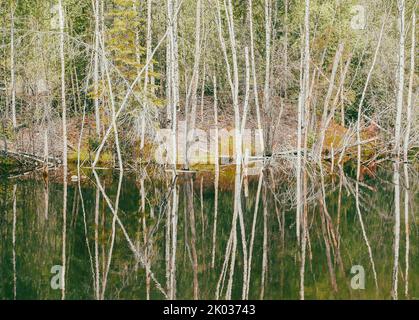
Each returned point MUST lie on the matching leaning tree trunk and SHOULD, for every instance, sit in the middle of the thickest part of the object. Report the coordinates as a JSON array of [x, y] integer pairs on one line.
[[302, 105], [190, 117]]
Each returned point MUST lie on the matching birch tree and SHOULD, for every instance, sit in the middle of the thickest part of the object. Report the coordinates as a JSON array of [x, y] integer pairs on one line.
[[191, 98], [267, 90], [64, 124], [302, 106], [397, 140], [359, 154], [12, 63], [254, 75], [97, 11], [173, 85], [147, 67]]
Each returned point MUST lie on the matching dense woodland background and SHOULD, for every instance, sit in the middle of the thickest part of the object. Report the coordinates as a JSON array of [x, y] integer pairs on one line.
[[141, 59]]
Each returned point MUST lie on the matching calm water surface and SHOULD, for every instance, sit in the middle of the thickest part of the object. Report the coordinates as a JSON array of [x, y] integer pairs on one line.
[[104, 255]]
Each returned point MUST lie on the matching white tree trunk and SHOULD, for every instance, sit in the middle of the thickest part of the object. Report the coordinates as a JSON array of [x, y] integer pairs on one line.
[[286, 4], [302, 106], [148, 44], [190, 118], [323, 127], [267, 90], [64, 124], [397, 140], [254, 75], [96, 9], [12, 66]]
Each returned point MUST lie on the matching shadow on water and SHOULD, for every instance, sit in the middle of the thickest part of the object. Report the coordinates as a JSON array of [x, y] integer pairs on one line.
[[206, 235]]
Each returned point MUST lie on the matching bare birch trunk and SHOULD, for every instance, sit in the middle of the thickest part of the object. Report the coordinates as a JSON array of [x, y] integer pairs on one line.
[[147, 68], [12, 65], [267, 89], [63, 86], [97, 11], [234, 84], [286, 5], [302, 106], [172, 6], [235, 81], [323, 124], [397, 140], [254, 75], [190, 117], [148, 43], [64, 124]]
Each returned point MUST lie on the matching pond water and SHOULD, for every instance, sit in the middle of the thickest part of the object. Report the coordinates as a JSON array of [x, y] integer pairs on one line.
[[154, 249]]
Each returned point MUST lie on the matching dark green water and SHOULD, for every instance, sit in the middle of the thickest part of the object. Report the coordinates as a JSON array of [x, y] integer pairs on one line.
[[100, 262]]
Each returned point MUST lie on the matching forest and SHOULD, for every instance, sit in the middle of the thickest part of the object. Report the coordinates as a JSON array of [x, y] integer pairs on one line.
[[209, 149]]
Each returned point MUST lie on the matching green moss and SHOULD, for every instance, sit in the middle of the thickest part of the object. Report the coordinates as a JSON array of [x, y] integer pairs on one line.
[[106, 157]]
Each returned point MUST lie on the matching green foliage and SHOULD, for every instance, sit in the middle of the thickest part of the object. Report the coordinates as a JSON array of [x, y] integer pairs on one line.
[[8, 164], [123, 39]]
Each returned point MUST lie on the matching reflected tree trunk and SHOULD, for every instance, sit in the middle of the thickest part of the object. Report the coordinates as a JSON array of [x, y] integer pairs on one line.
[[253, 233], [397, 140], [113, 235], [358, 134], [138, 254], [265, 242], [97, 268], [14, 242], [303, 105], [46, 198], [267, 89]]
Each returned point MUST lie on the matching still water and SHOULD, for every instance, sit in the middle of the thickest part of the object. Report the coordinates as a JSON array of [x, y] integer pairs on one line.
[[151, 236]]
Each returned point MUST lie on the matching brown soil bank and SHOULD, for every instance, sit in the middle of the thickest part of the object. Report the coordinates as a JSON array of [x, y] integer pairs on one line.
[[30, 140]]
